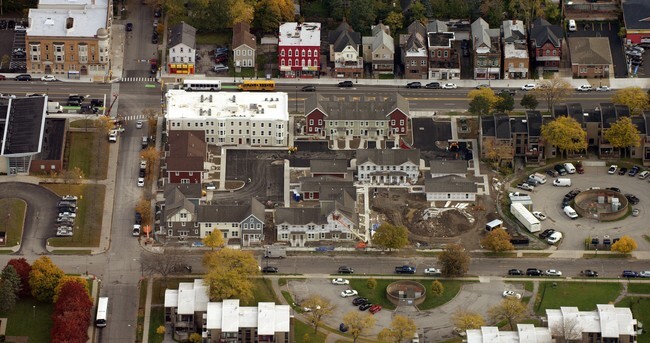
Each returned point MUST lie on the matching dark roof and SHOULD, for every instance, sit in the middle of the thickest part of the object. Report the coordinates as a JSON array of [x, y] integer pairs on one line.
[[442, 131], [639, 122], [241, 34], [502, 123], [343, 36], [328, 166], [314, 184], [488, 128], [182, 33], [622, 110], [231, 213], [388, 157], [53, 139], [440, 38], [189, 190], [534, 119], [343, 204], [187, 150], [426, 132], [22, 122], [356, 107], [175, 201], [636, 14], [592, 116], [646, 115], [448, 166], [575, 111], [300, 216], [329, 192], [560, 110], [542, 31], [518, 125], [449, 183], [608, 115]]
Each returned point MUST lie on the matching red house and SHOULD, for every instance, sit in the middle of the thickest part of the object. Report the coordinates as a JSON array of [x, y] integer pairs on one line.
[[186, 152], [546, 41], [358, 116], [299, 50]]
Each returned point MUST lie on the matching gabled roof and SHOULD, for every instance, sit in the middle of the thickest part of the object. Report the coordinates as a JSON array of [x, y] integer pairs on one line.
[[449, 183], [343, 204], [356, 107], [182, 33], [241, 35], [189, 190], [480, 34], [388, 157], [636, 14], [534, 119], [502, 124], [381, 35], [328, 166], [231, 212], [542, 31], [314, 184], [299, 216], [448, 166], [590, 50], [416, 27], [176, 201], [488, 128], [437, 26], [344, 36], [187, 150], [513, 30]]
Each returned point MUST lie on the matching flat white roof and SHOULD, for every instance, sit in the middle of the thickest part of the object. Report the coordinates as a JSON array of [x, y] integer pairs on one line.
[[294, 34], [214, 316], [610, 321], [267, 317], [51, 16], [230, 317], [171, 298], [526, 333], [185, 298], [263, 106], [201, 298], [510, 51]]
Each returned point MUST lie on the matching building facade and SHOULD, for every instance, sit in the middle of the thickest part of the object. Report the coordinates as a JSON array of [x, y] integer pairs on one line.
[[184, 156], [388, 166], [487, 51], [546, 44], [244, 46], [182, 51], [444, 61], [70, 39], [244, 222], [379, 50], [413, 47], [299, 50], [591, 57], [345, 51]]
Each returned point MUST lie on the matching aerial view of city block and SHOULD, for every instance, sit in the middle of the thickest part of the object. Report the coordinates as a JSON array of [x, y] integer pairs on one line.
[[314, 171]]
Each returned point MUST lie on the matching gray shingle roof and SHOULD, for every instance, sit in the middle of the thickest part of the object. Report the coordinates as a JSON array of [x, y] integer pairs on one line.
[[542, 31], [182, 33], [189, 190], [344, 36], [448, 166], [590, 50], [175, 201], [388, 157], [314, 184], [328, 166], [534, 119], [299, 216], [449, 183], [356, 107], [231, 213], [241, 35], [381, 35], [636, 14]]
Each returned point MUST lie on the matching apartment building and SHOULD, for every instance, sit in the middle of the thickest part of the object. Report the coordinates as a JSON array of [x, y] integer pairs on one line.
[[388, 166], [345, 51], [379, 50], [182, 49], [487, 51], [299, 50], [444, 61]]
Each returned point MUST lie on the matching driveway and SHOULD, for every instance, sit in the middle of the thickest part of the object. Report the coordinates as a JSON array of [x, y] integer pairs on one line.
[[548, 199], [609, 30], [476, 297], [40, 217]]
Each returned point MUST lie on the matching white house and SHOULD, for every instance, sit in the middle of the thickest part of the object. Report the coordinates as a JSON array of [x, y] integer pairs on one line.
[[388, 166], [239, 119], [450, 187], [182, 49]]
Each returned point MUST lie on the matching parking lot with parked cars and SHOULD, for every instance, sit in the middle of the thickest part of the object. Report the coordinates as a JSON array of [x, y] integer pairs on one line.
[[552, 202]]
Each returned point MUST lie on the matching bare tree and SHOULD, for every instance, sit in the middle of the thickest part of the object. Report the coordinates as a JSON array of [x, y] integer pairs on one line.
[[553, 91], [566, 331], [170, 262]]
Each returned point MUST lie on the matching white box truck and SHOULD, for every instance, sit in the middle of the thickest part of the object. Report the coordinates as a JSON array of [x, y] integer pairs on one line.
[[54, 107], [275, 251], [525, 217]]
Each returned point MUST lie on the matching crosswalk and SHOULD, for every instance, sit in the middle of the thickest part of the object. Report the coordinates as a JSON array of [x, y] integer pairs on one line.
[[134, 117], [138, 79]]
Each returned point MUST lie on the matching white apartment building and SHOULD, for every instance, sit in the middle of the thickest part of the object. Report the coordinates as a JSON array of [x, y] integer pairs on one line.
[[245, 118]]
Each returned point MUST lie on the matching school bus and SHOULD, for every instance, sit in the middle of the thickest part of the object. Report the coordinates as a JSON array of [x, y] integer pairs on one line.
[[257, 85]]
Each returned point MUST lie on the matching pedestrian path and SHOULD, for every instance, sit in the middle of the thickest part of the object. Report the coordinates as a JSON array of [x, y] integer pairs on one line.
[[138, 79], [135, 117]]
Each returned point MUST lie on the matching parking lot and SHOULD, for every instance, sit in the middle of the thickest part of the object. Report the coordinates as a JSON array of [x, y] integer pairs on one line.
[[547, 199], [609, 30]]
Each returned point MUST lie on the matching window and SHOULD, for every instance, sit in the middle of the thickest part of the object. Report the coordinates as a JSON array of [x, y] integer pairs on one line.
[[308, 53], [282, 53], [303, 53]]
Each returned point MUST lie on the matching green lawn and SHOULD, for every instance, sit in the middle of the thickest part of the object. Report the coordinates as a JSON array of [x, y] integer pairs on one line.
[[641, 310], [640, 288], [378, 295], [141, 308], [90, 211], [583, 295], [301, 329], [216, 38], [263, 292], [83, 123], [157, 319], [159, 286], [30, 318], [89, 152], [12, 218]]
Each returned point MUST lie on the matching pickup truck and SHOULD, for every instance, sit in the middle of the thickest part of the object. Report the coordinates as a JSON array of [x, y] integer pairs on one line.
[[405, 270]]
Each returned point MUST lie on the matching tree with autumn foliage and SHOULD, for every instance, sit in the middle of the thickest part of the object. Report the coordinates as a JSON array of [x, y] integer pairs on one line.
[[22, 268], [497, 240], [44, 278], [623, 134], [70, 278], [71, 315], [566, 134], [635, 98], [229, 274], [454, 260], [625, 245]]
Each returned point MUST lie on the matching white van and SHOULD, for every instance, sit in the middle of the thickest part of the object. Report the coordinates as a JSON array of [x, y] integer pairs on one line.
[[570, 168], [572, 25], [539, 178], [562, 182], [570, 212]]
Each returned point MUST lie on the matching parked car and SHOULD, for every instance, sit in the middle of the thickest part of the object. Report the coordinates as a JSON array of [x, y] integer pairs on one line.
[[580, 169], [629, 274], [365, 306], [534, 272], [525, 186], [343, 327], [552, 172], [138, 124], [636, 212], [414, 85], [622, 171], [23, 77], [432, 271], [449, 86], [511, 294], [345, 270], [645, 273], [528, 87], [515, 272], [603, 89], [560, 169], [612, 169], [346, 84], [584, 88], [539, 215], [270, 269], [632, 199], [340, 281], [615, 189], [359, 301], [129, 27], [552, 272], [140, 182], [432, 85], [546, 233], [374, 309], [589, 273], [644, 174], [219, 68], [349, 293]]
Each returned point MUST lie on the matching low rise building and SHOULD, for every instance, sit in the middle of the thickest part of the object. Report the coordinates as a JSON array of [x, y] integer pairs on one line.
[[546, 43], [635, 18], [22, 134], [515, 50], [413, 48], [604, 324], [182, 49], [335, 168], [487, 51], [444, 60], [299, 49], [235, 119], [178, 217], [388, 166], [345, 51], [379, 50], [526, 333], [185, 154], [185, 306], [438, 168], [244, 45], [240, 222], [591, 57], [450, 188]]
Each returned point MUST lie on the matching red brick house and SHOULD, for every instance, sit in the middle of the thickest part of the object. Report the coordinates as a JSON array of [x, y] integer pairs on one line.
[[299, 49], [186, 151], [367, 117], [546, 44]]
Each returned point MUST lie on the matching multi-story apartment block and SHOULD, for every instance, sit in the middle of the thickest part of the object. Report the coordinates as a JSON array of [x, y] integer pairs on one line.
[[487, 51], [299, 50], [184, 156], [413, 47], [444, 61], [367, 117], [388, 166], [546, 44], [379, 50], [246, 118], [496, 138], [515, 50], [235, 221], [182, 49], [345, 51], [244, 45], [70, 38]]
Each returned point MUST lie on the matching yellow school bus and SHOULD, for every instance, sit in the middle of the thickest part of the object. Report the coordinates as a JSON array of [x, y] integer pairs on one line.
[[257, 85]]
